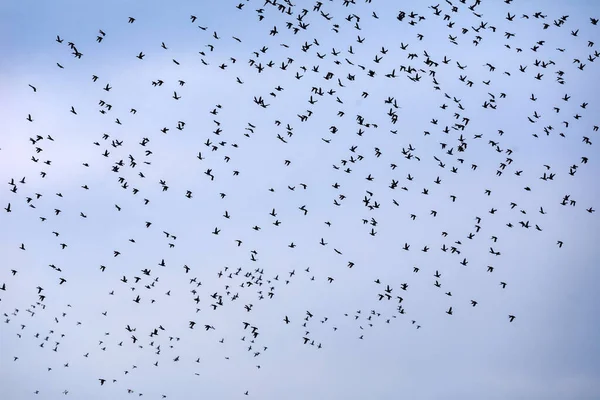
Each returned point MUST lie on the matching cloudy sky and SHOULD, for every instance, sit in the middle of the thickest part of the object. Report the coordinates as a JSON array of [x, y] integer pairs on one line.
[[389, 144]]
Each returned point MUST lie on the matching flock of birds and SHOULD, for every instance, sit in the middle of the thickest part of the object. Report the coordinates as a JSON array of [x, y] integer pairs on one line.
[[338, 78]]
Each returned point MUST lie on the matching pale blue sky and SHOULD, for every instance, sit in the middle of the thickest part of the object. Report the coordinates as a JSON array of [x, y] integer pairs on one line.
[[550, 350]]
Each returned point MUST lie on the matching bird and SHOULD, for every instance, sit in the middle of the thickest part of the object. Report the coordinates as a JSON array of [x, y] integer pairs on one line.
[[344, 96]]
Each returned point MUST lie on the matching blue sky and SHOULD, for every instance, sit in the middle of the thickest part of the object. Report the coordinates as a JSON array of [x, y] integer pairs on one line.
[[367, 348]]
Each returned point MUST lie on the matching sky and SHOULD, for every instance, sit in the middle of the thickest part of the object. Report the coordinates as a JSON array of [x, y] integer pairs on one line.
[[404, 194]]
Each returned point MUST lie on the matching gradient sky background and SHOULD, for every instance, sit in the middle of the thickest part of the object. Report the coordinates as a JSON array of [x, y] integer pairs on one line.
[[550, 350]]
